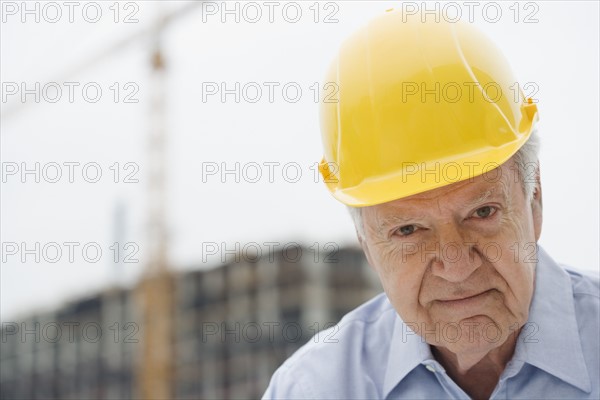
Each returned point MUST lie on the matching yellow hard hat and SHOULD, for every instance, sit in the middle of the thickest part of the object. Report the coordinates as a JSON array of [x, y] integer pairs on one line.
[[418, 106]]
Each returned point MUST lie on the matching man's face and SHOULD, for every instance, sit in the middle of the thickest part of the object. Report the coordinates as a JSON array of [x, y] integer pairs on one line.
[[458, 262]]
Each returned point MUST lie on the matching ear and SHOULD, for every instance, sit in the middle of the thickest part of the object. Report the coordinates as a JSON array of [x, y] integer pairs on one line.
[[536, 206]]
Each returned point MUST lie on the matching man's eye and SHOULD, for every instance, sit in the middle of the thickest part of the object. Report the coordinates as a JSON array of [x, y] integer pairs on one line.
[[485, 212], [406, 230]]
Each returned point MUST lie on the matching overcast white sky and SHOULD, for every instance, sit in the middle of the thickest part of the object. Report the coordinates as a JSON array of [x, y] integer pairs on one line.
[[559, 53]]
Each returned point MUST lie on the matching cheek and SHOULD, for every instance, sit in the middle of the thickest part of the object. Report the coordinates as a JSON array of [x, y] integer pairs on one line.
[[517, 268], [517, 224], [513, 252], [516, 252], [401, 275]]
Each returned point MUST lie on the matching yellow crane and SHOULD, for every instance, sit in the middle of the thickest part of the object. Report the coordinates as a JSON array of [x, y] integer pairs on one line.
[[154, 368]]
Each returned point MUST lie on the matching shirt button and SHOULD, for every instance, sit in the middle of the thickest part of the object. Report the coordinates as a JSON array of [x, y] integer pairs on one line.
[[430, 367]]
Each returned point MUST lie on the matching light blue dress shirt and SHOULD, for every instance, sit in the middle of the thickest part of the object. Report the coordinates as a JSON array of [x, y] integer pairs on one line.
[[372, 354]]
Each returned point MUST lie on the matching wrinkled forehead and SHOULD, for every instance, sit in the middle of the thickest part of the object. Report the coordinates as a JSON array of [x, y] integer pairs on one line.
[[498, 184]]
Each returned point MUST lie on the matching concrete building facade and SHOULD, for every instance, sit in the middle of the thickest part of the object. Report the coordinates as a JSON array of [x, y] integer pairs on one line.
[[234, 325]]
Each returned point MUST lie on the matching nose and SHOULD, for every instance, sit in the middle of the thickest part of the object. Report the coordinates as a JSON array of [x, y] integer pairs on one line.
[[457, 257]]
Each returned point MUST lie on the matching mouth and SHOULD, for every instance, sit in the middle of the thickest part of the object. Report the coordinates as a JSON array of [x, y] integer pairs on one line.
[[464, 301]]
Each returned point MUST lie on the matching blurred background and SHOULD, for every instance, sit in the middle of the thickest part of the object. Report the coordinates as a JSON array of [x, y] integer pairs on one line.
[[165, 233]]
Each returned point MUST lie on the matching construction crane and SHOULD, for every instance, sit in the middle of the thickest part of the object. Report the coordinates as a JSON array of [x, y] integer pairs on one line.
[[155, 292]]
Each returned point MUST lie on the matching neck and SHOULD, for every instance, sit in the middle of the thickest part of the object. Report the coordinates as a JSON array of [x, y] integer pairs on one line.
[[476, 374]]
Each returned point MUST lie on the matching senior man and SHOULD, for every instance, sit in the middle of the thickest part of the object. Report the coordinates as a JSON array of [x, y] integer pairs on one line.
[[433, 148]]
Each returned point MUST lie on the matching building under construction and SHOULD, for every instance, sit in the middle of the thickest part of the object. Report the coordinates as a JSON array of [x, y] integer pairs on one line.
[[231, 327], [205, 333]]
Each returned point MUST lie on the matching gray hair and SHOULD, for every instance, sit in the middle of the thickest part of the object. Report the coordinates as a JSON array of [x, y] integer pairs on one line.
[[526, 159]]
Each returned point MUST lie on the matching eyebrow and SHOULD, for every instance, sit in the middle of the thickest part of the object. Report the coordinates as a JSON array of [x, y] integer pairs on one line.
[[486, 195], [395, 219], [480, 199]]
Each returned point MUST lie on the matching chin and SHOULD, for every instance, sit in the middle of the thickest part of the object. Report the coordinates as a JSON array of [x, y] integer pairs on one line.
[[475, 346], [478, 334]]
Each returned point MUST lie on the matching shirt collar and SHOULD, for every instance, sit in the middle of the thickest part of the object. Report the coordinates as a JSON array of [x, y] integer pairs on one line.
[[550, 340], [554, 347], [407, 351]]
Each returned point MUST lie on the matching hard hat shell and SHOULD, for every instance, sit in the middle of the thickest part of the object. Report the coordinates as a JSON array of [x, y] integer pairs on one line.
[[419, 105]]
